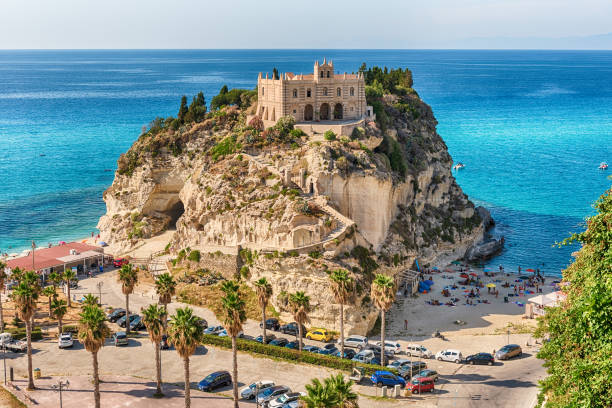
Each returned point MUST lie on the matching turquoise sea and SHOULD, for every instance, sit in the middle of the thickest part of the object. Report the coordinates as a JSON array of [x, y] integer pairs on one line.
[[530, 126]]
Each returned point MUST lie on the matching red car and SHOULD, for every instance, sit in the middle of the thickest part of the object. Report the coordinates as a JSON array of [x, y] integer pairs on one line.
[[118, 263], [420, 384]]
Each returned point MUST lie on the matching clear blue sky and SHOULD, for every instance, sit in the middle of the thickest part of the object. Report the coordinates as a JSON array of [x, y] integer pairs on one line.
[[303, 24]]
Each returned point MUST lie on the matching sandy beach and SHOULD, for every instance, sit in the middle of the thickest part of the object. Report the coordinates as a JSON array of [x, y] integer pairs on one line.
[[416, 318]]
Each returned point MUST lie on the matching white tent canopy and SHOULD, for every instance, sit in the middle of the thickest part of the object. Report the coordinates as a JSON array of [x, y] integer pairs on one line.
[[552, 299]]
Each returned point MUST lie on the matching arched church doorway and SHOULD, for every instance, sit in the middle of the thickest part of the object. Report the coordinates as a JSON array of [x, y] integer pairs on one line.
[[308, 112], [338, 111], [324, 112]]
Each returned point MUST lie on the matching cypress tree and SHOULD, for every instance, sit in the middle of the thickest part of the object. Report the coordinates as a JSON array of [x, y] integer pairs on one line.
[[183, 109], [275, 73], [223, 90]]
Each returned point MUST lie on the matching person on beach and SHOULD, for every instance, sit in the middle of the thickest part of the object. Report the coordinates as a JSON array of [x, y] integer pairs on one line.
[[501, 268], [519, 269], [515, 290]]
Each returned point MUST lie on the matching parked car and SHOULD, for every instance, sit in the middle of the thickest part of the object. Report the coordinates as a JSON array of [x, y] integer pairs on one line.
[[271, 324], [418, 365], [328, 349], [311, 349], [264, 397], [280, 342], [203, 324], [480, 358], [391, 346], [292, 328], [294, 345], [418, 351], [508, 351], [421, 384], [250, 391], [214, 330], [449, 355], [65, 340], [364, 356], [115, 315], [387, 378], [348, 353], [429, 373], [136, 323], [9, 343], [376, 349], [285, 399], [269, 338], [319, 335], [215, 380], [118, 263], [163, 344], [355, 341], [399, 363], [120, 339], [121, 321]]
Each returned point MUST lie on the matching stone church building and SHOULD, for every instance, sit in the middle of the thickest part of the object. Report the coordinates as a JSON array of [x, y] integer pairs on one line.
[[320, 96]]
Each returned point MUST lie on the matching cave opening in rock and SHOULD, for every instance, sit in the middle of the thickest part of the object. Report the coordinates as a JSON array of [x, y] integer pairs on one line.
[[175, 212]]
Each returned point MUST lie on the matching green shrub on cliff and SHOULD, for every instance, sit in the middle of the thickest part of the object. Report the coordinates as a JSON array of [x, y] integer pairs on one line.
[[242, 98], [578, 354]]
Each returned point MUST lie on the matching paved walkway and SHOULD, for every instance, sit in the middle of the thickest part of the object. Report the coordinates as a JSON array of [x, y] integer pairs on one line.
[[116, 391]]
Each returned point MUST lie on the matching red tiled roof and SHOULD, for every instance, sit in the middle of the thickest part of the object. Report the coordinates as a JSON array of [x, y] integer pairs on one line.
[[47, 257]]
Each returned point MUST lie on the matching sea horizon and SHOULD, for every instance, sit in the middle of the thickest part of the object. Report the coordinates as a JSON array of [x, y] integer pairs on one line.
[[527, 123]]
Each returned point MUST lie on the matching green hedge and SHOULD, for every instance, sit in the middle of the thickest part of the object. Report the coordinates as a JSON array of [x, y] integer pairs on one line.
[[70, 328], [20, 333], [290, 354]]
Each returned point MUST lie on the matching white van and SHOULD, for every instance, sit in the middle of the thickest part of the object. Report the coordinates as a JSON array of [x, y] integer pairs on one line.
[[418, 351], [450, 355], [391, 346]]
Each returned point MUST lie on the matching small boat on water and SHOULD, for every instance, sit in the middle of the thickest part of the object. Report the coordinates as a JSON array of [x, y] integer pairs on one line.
[[603, 166], [458, 166]]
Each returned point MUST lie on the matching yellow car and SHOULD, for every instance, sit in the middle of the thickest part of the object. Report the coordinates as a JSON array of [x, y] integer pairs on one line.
[[318, 334]]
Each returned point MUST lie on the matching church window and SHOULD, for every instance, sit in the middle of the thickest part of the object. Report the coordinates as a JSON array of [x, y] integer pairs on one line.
[[294, 111], [324, 91], [308, 93], [263, 91], [338, 92], [328, 74], [295, 93], [352, 91], [322, 74]]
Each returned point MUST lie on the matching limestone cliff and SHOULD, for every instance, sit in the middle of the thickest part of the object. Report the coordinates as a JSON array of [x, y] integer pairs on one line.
[[291, 206]]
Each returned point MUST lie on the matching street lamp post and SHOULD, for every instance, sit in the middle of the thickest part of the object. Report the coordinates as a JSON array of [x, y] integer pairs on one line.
[[4, 362], [99, 285], [508, 336], [61, 384]]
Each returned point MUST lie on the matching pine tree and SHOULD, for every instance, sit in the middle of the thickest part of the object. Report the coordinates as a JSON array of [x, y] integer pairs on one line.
[[183, 109], [275, 73], [223, 90]]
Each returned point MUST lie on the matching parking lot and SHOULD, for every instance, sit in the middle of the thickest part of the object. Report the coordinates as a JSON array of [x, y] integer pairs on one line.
[[506, 384]]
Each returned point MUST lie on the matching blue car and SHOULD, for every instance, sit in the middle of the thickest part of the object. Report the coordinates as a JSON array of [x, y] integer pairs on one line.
[[348, 353], [328, 349], [311, 349], [387, 378], [294, 345], [215, 380]]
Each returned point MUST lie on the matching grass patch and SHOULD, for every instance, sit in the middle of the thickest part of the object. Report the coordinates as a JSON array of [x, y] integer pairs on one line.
[[520, 328], [8, 400]]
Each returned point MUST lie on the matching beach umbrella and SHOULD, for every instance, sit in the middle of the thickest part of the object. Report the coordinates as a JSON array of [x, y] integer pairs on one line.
[[530, 270], [523, 277], [473, 274], [456, 263], [464, 275], [490, 285], [62, 243], [435, 268], [103, 244]]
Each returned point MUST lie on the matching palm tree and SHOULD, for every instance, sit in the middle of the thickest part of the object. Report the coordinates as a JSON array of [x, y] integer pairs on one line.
[[264, 293], [300, 307], [383, 296], [49, 291], [128, 277], [2, 286], [342, 286], [32, 279], [59, 308], [185, 333], [229, 286], [92, 333], [165, 287], [90, 300], [319, 395], [55, 279], [152, 318], [25, 296], [233, 316], [69, 276], [343, 391]]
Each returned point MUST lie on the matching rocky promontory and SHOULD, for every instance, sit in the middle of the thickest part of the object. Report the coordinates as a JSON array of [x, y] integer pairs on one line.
[[292, 206]]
